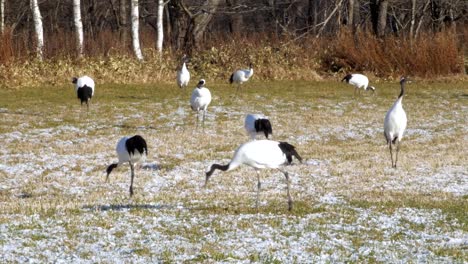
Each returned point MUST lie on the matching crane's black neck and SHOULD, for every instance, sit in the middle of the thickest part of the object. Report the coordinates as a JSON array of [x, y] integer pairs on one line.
[[402, 83]]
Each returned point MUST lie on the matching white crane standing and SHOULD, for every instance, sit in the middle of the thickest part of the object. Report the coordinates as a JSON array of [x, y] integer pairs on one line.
[[261, 154], [183, 75], [200, 99], [395, 124], [241, 76]]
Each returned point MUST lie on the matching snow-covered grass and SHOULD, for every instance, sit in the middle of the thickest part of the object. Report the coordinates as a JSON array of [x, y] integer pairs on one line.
[[349, 204]]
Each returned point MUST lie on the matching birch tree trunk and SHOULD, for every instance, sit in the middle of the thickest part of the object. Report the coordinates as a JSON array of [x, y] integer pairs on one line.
[[413, 18], [2, 16], [135, 32], [39, 31], [123, 22], [159, 26], [78, 26]]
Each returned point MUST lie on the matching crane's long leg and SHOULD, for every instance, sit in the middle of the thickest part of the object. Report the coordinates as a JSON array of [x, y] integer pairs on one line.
[[258, 189], [397, 150], [132, 170], [391, 151], [203, 120], [290, 201]]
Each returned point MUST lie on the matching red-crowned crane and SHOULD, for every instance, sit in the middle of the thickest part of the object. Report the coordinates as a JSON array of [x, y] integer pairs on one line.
[[395, 123], [261, 154], [359, 81], [84, 87], [257, 124], [131, 150], [200, 99], [183, 75], [241, 76]]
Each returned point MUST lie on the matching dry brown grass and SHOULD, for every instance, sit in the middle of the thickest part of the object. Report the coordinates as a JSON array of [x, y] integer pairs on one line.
[[109, 61]]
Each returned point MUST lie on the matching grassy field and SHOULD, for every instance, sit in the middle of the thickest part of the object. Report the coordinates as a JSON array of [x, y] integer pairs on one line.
[[349, 204]]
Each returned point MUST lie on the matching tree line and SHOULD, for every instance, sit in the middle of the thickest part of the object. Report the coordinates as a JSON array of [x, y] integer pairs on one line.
[[186, 24]]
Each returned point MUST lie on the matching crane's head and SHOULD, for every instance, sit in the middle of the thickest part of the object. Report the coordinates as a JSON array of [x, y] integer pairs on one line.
[[372, 88], [201, 83], [403, 79], [74, 80]]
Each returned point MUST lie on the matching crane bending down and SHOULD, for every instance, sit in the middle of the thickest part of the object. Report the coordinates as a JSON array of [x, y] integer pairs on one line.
[[84, 88], [261, 154], [257, 124], [131, 150], [359, 81], [395, 123]]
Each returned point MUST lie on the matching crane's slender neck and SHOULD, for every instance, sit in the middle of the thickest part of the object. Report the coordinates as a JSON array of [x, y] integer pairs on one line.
[[402, 89]]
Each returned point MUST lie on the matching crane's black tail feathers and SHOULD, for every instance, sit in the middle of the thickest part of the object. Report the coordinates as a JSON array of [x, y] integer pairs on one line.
[[231, 80], [347, 78], [263, 125], [85, 93], [290, 151], [136, 143]]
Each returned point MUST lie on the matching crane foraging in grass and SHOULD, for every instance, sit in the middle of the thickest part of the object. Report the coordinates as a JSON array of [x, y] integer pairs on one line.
[[183, 75], [257, 124], [261, 154], [359, 81], [131, 150], [84, 87], [201, 98], [395, 123], [241, 76]]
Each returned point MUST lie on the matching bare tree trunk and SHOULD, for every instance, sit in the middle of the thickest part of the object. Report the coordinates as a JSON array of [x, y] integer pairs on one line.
[[2, 16], [313, 15], [356, 15], [382, 18], [123, 26], [135, 30], [78, 26], [39, 31], [351, 13], [159, 26], [413, 18], [235, 20], [200, 21]]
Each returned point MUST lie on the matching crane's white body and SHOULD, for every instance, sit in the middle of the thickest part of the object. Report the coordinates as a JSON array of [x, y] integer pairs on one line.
[[183, 76], [249, 125], [259, 154], [200, 99], [84, 80], [125, 156], [241, 76], [395, 123], [359, 81]]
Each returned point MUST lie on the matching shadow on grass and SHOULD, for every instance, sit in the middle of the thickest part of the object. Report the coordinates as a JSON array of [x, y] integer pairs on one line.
[[125, 207]]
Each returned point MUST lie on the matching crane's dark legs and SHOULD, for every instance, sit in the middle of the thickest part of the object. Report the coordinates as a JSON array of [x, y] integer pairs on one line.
[[290, 202], [397, 150], [391, 152], [258, 189], [132, 169]]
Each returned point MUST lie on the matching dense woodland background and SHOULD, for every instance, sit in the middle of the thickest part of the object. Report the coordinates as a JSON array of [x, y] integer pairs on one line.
[[384, 37]]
